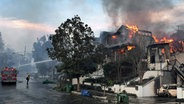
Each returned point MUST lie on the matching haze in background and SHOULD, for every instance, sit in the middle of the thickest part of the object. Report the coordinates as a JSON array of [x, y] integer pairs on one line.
[[23, 21]]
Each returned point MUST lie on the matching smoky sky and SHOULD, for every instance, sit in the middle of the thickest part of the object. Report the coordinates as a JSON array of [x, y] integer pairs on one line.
[[30, 19], [31, 10], [38, 10], [138, 12]]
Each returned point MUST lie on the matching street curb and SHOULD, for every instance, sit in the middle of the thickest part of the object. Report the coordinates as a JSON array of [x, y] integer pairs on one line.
[[93, 96]]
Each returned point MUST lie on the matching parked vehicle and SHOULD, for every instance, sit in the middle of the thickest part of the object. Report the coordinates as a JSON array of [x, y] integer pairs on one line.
[[9, 75], [169, 90]]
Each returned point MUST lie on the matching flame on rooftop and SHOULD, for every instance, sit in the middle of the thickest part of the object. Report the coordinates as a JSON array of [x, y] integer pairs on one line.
[[134, 28], [130, 47]]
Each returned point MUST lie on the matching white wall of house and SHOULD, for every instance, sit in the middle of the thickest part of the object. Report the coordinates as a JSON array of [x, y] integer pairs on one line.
[[87, 83], [158, 66], [145, 90], [116, 88], [131, 90], [119, 88], [180, 93], [153, 73], [81, 79]]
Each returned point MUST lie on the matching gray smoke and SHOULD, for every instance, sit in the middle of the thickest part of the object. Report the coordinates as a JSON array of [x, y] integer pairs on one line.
[[137, 12]]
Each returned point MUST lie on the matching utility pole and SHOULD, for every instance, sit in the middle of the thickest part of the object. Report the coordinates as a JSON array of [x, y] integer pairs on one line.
[[25, 50], [161, 71]]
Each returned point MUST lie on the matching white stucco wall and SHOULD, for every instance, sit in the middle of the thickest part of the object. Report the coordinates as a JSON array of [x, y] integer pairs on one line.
[[149, 74], [140, 91], [158, 66], [116, 88], [81, 79], [131, 90], [119, 88], [148, 89], [180, 93]]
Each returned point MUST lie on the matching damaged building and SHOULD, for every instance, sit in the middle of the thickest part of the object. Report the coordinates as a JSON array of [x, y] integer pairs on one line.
[[125, 39], [159, 58]]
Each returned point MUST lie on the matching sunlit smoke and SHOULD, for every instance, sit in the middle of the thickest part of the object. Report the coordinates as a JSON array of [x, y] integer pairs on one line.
[[23, 24], [18, 34], [158, 16]]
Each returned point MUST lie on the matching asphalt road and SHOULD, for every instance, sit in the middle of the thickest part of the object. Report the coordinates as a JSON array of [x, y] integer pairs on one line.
[[154, 100], [38, 93]]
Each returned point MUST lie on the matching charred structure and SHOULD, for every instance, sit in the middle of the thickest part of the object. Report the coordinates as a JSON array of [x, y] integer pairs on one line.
[[158, 55], [178, 37], [127, 38]]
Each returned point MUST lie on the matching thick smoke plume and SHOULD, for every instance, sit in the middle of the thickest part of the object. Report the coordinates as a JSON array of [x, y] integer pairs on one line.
[[138, 12]]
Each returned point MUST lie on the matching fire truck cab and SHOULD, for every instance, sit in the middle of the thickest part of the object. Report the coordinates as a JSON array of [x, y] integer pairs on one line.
[[9, 75]]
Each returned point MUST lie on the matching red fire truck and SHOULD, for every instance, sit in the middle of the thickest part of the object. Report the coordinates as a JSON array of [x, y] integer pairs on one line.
[[9, 75]]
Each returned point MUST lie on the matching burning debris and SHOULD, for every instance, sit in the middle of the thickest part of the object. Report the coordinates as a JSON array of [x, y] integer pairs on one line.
[[138, 46], [142, 14], [127, 35], [162, 40], [176, 41], [125, 39], [133, 29], [130, 47]]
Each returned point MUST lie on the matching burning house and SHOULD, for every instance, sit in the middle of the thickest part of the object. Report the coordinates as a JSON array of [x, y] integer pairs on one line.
[[158, 55], [166, 66], [178, 37], [158, 58], [163, 57], [121, 43], [126, 38], [127, 35]]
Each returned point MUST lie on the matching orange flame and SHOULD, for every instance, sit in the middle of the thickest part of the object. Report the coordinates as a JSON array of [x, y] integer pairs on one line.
[[163, 50], [171, 50], [134, 28], [130, 47], [121, 51], [114, 37], [165, 40], [155, 38], [162, 40]]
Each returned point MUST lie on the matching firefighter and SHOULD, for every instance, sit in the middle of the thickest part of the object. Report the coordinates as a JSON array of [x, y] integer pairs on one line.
[[27, 78]]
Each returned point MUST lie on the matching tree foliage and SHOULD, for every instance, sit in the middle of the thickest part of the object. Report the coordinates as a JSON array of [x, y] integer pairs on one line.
[[73, 45], [100, 54], [110, 71]]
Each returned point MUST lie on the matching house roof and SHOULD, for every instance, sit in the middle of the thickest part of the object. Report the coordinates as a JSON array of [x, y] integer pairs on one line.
[[158, 45]]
